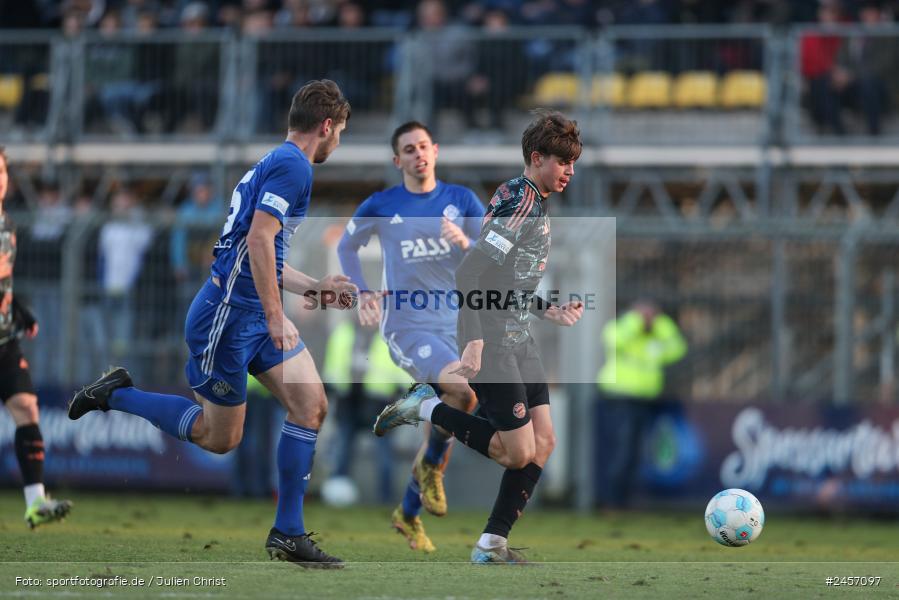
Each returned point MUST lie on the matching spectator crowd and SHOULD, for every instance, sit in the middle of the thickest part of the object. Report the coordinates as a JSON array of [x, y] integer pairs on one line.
[[134, 85], [140, 16]]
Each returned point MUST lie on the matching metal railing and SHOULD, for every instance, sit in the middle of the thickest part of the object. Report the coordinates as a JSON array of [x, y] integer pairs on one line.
[[274, 67], [841, 85], [167, 84], [33, 80], [685, 85], [784, 314]]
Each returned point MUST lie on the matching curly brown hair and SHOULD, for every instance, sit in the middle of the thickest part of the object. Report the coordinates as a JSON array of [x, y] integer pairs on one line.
[[551, 132]]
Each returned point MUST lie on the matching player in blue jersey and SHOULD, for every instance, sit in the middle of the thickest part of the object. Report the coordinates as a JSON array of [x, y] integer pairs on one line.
[[425, 227], [236, 324]]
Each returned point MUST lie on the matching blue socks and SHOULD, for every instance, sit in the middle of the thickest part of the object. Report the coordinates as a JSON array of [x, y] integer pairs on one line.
[[175, 415], [437, 445], [412, 499], [295, 452]]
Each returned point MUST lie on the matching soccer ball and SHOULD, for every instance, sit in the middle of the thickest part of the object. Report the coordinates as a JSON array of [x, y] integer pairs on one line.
[[734, 517], [340, 492]]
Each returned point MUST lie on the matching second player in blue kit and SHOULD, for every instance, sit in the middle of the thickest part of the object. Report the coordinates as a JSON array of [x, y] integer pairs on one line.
[[425, 227], [236, 324]]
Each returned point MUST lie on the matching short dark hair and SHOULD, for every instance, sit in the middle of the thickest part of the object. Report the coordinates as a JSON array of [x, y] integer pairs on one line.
[[316, 101], [406, 128], [551, 132]]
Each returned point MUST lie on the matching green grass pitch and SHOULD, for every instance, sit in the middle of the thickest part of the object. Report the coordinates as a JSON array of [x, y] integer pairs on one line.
[[655, 555]]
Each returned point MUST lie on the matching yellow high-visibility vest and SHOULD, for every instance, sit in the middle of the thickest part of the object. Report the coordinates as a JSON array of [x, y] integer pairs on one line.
[[640, 356], [381, 378]]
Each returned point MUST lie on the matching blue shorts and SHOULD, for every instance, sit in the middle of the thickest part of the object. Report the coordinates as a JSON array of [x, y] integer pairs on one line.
[[423, 355], [226, 343]]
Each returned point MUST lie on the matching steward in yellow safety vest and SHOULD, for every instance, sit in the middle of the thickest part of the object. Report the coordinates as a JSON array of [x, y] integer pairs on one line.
[[347, 361], [639, 345]]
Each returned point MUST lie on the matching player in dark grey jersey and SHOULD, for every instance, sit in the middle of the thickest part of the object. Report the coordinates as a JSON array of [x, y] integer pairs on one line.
[[16, 389], [497, 283]]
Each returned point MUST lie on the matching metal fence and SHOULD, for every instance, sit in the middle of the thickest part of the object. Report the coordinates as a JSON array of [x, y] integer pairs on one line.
[[32, 75], [275, 66], [155, 86], [738, 85], [782, 314], [841, 84], [686, 85]]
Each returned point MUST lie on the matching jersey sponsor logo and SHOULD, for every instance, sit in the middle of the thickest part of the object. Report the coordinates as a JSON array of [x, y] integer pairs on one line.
[[276, 202], [396, 220], [498, 242], [424, 351], [351, 227], [451, 212], [424, 247], [221, 388], [518, 410]]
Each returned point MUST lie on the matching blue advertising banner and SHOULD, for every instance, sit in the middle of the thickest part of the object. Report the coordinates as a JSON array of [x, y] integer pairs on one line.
[[112, 449], [804, 456]]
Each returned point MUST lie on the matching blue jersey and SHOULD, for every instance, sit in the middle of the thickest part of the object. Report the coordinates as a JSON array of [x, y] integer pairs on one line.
[[281, 185], [415, 257]]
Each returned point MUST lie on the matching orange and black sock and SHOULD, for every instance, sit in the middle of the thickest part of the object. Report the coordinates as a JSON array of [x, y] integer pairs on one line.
[[30, 451]]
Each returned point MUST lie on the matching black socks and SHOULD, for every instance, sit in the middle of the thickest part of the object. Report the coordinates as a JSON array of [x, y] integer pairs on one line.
[[515, 490], [472, 431]]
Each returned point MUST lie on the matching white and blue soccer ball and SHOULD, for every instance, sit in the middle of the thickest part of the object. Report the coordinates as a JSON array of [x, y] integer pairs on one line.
[[340, 492], [734, 518]]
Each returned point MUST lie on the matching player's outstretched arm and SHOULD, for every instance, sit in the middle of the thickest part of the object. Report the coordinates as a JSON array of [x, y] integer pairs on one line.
[[348, 255], [468, 277], [261, 249], [566, 315], [369, 312], [331, 289], [297, 282]]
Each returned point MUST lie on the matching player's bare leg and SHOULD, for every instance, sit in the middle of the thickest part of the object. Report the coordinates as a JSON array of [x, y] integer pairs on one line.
[[218, 428], [296, 384]]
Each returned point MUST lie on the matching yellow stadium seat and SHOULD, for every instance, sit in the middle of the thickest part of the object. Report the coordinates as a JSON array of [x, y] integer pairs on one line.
[[651, 89], [557, 89], [695, 89], [743, 89], [11, 89], [608, 90]]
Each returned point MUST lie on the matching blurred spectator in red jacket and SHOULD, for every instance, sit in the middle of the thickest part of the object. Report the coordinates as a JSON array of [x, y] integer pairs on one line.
[[818, 57]]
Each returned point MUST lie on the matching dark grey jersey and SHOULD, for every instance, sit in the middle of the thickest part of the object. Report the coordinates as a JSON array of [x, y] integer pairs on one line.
[[7, 260], [515, 236]]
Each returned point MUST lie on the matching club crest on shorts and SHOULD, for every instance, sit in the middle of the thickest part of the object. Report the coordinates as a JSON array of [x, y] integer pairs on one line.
[[518, 410], [221, 388], [424, 351]]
